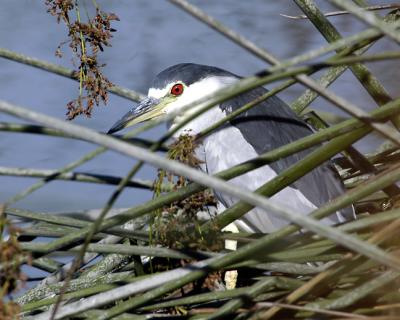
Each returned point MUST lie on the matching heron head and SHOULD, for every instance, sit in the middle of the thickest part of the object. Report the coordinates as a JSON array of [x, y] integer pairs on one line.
[[174, 88]]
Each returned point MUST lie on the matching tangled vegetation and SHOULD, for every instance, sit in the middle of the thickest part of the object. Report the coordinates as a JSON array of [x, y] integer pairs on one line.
[[159, 258], [11, 276], [178, 224]]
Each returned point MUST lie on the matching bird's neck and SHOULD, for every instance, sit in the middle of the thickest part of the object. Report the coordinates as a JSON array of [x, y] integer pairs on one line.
[[196, 92], [197, 125]]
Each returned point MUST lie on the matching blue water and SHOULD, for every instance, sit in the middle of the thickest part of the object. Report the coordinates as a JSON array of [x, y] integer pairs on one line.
[[152, 35]]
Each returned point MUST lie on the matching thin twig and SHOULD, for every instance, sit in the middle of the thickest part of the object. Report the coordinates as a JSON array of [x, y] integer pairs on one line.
[[314, 310], [24, 193], [338, 13], [75, 176], [369, 18], [62, 71], [35, 129]]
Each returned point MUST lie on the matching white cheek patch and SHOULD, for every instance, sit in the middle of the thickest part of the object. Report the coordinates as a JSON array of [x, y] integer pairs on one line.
[[198, 90], [208, 85], [158, 93]]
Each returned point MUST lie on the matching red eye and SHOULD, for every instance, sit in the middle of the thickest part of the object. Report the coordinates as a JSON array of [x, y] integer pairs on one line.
[[177, 89]]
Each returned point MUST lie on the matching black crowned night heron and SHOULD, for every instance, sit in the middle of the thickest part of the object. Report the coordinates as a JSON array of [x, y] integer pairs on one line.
[[265, 127]]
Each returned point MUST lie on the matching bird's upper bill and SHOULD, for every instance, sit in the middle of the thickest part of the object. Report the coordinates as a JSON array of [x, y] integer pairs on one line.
[[149, 108], [158, 102]]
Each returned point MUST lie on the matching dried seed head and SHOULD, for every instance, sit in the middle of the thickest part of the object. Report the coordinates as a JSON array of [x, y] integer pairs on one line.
[[177, 224], [86, 39]]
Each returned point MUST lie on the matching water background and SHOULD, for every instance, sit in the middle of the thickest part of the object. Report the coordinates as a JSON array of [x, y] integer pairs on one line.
[[152, 35]]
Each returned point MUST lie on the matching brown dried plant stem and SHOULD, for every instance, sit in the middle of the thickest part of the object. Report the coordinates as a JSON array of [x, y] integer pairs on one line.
[[337, 269]]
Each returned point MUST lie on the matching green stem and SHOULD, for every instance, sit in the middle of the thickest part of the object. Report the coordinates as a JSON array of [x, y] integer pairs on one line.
[[366, 78], [154, 204]]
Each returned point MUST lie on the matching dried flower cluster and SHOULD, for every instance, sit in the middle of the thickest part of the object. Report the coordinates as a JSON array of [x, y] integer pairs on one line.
[[177, 225], [85, 40], [10, 275], [9, 310]]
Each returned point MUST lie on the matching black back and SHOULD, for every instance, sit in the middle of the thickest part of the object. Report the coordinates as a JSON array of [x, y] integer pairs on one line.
[[272, 124]]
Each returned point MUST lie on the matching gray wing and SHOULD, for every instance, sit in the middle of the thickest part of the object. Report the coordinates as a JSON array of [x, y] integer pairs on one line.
[[272, 124]]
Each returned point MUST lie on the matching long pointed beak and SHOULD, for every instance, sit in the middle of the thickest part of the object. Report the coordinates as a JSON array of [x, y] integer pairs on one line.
[[147, 109]]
